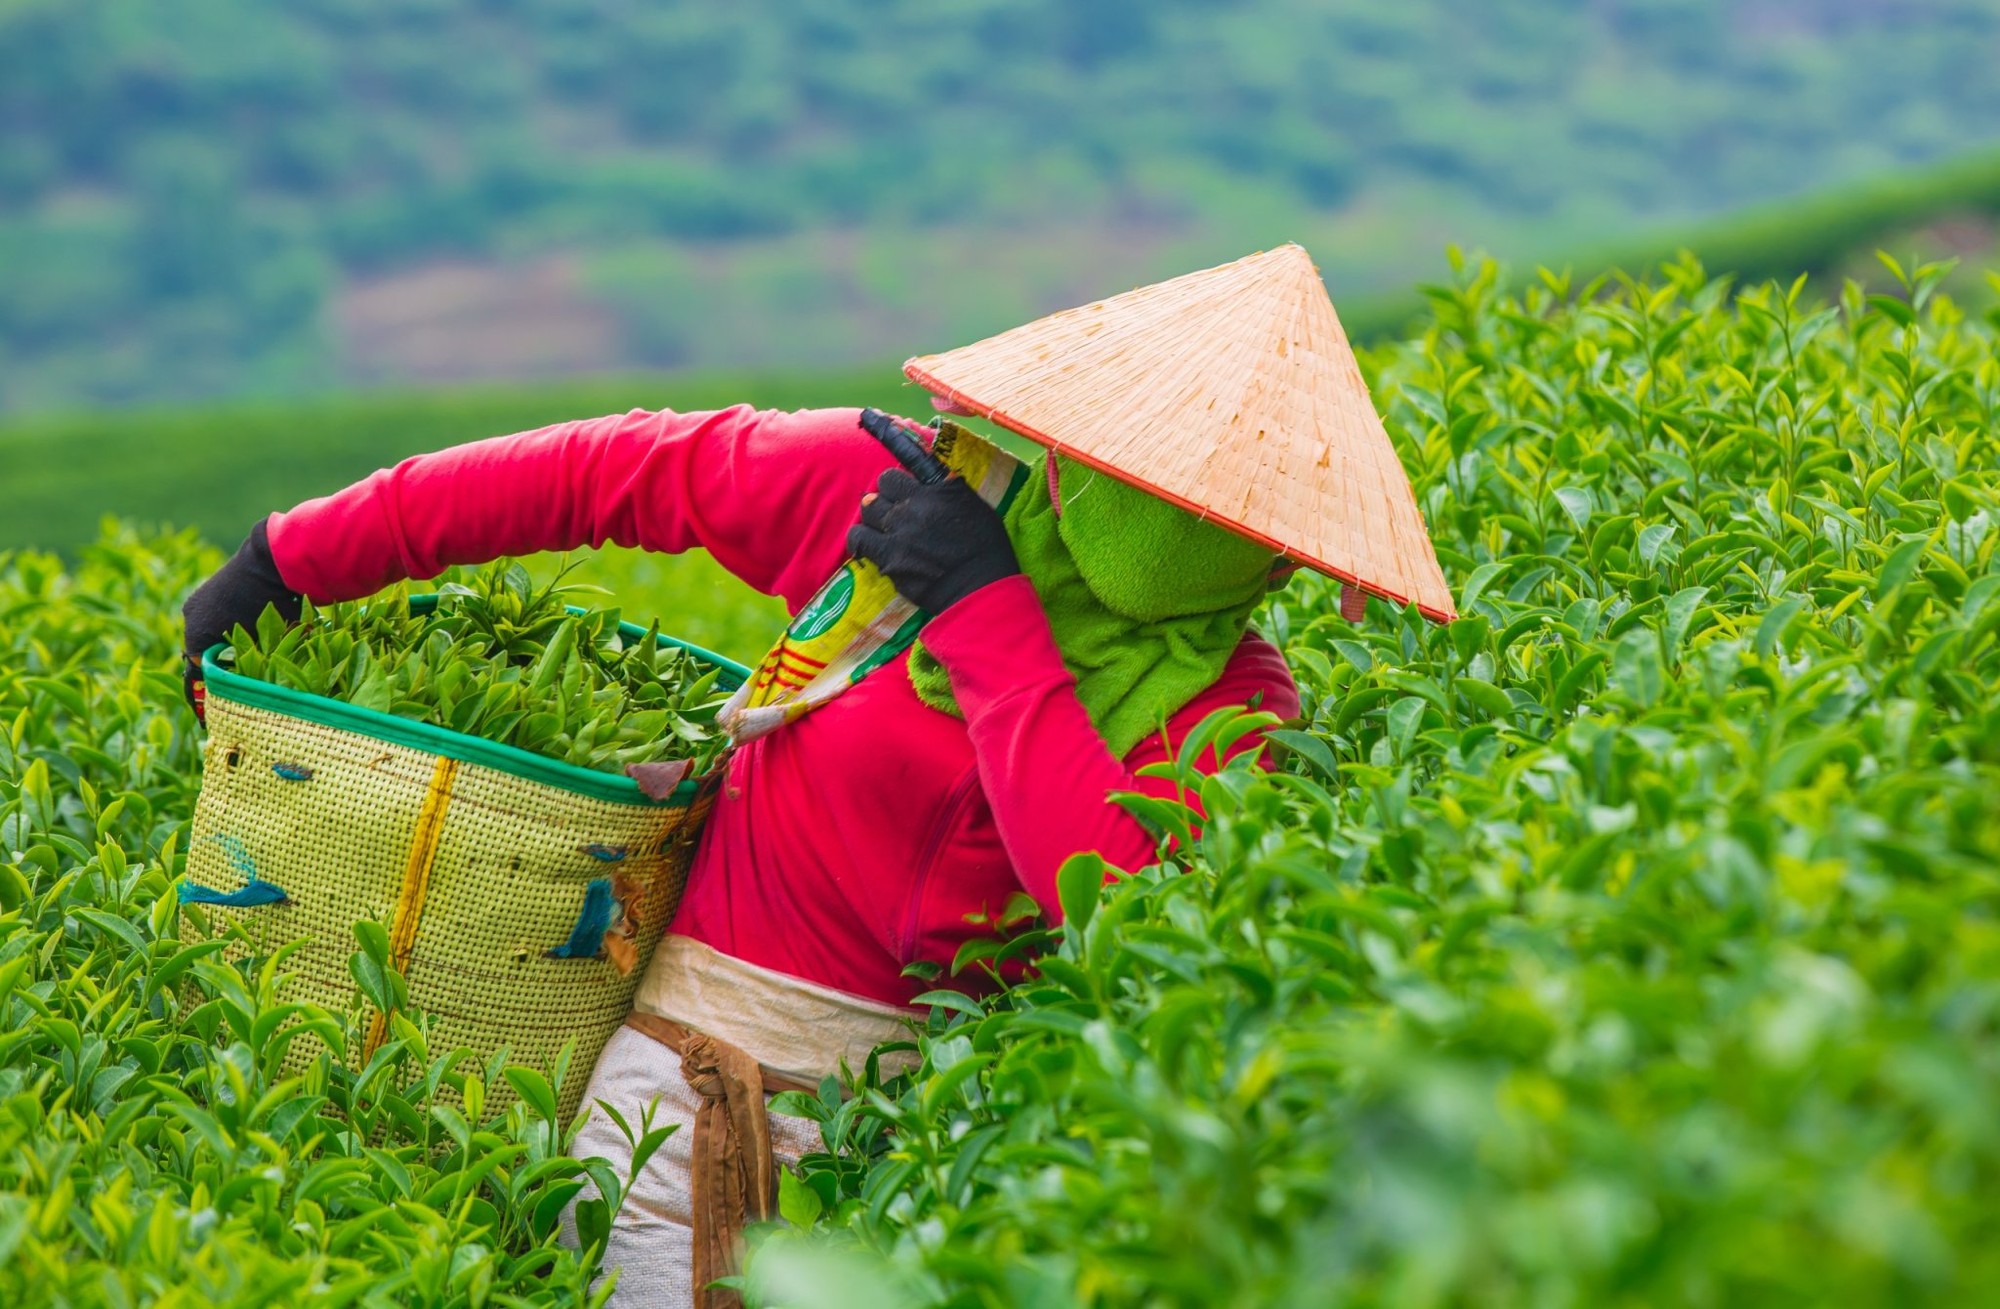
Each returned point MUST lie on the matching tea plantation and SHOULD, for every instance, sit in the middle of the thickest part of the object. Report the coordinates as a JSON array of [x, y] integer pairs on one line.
[[1634, 940]]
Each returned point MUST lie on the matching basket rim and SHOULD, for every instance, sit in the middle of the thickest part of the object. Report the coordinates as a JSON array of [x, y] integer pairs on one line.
[[223, 683]]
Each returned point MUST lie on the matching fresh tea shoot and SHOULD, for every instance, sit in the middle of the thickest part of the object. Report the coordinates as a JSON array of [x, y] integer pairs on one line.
[[500, 657]]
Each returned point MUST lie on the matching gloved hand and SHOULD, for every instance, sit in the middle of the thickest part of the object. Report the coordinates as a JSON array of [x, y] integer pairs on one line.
[[236, 594], [937, 543]]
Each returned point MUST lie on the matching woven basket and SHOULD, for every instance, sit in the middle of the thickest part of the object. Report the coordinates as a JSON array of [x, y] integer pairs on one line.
[[486, 865]]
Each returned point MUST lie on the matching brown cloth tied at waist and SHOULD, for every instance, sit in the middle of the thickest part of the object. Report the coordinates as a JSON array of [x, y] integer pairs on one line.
[[714, 1010], [734, 1177]]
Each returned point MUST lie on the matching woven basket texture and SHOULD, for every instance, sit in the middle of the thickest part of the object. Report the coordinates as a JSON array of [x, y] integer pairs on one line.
[[512, 864], [1232, 392]]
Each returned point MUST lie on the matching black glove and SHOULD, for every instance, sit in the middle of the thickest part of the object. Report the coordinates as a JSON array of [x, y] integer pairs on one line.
[[236, 594], [937, 543]]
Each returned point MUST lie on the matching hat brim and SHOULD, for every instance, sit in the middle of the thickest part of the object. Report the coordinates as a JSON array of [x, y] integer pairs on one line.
[[974, 406]]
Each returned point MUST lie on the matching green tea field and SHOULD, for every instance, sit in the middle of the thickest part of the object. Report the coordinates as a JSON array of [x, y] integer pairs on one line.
[[1633, 940]]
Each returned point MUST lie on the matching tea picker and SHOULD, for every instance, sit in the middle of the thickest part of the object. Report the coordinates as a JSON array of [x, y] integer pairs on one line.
[[1068, 626]]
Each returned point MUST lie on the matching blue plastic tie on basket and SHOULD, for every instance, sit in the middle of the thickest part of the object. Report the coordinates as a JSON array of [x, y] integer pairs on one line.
[[254, 891], [586, 939], [293, 772], [605, 854]]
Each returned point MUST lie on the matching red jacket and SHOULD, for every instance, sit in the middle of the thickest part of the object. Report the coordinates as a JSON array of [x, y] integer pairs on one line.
[[858, 839]]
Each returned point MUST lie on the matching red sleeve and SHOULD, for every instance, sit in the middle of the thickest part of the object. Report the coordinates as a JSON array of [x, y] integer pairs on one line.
[[770, 495], [1045, 770]]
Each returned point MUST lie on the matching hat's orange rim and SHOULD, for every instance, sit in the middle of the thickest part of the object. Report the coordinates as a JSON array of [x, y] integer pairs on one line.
[[917, 374]]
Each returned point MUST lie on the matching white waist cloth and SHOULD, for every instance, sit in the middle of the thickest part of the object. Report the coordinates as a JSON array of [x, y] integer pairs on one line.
[[798, 1031]]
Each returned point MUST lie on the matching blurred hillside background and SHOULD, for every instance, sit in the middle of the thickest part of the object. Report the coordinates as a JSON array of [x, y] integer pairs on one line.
[[223, 198]]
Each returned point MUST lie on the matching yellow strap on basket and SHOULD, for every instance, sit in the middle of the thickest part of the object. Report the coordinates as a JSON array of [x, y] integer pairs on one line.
[[416, 884]]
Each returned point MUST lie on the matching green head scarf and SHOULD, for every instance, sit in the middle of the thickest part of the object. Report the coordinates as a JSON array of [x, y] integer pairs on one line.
[[1147, 601]]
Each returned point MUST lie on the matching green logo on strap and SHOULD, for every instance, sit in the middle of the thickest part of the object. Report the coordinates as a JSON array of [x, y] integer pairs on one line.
[[826, 607]]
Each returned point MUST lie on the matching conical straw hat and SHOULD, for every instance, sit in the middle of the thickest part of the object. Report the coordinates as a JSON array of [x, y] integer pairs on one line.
[[1231, 392]]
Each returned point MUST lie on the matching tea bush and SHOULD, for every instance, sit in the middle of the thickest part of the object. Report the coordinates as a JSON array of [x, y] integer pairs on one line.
[[1632, 940], [151, 1151]]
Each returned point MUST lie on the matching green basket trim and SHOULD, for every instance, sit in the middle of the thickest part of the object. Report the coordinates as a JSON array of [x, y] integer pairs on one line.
[[432, 739]]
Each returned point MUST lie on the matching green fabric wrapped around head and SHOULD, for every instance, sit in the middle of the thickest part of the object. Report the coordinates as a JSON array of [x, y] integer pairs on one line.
[[1147, 601]]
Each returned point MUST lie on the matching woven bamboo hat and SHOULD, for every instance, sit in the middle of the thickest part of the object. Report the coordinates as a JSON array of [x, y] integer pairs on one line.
[[1231, 392]]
